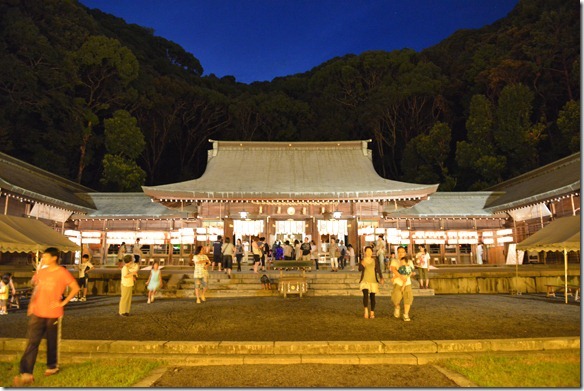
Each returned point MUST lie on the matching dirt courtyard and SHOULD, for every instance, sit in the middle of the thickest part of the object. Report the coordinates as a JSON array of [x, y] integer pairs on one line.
[[441, 317]]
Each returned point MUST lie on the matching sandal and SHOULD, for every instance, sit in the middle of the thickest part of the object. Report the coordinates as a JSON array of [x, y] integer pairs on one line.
[[372, 316], [52, 371], [24, 379]]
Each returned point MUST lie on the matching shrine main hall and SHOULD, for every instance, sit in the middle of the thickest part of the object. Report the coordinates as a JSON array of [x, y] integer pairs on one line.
[[289, 191]]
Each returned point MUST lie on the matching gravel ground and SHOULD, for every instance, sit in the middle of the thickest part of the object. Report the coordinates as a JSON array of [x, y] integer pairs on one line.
[[442, 317]]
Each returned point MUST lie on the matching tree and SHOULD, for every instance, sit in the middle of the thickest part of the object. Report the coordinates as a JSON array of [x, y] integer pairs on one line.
[[569, 125], [425, 158], [124, 143], [104, 71], [515, 134], [479, 163]]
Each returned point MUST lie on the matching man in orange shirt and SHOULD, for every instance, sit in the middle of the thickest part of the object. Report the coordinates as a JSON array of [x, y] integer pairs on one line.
[[45, 311]]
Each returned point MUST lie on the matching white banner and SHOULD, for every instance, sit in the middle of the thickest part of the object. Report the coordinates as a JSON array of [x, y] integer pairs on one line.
[[50, 213], [333, 227], [513, 256], [248, 227]]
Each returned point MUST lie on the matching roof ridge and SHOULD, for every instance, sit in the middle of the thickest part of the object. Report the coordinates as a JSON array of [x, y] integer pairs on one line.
[[570, 159]]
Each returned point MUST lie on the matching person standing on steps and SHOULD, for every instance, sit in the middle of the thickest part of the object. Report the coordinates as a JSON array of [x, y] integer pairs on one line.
[[227, 249], [217, 255], [257, 254], [239, 251], [314, 253], [334, 255], [371, 277]]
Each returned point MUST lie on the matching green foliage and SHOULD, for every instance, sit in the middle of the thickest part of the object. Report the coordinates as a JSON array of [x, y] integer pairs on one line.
[[124, 142], [97, 373], [66, 68], [569, 125], [515, 134], [479, 159], [121, 174], [425, 157], [122, 136], [525, 370]]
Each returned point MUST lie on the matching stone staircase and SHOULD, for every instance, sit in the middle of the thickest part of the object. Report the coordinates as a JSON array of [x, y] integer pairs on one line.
[[247, 284]]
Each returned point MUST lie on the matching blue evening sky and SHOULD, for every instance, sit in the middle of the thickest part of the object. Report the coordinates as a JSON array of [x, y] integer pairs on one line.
[[257, 40]]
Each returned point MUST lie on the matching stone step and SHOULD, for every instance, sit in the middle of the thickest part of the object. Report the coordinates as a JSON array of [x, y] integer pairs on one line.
[[276, 348], [261, 292]]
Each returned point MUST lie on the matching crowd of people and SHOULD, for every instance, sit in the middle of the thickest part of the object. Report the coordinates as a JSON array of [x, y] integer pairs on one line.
[[54, 286]]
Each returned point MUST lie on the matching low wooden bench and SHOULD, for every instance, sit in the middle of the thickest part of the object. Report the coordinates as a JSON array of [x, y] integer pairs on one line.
[[553, 288]]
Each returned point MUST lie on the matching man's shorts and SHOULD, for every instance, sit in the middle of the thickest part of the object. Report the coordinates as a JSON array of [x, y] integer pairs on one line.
[[82, 282], [397, 295], [227, 261]]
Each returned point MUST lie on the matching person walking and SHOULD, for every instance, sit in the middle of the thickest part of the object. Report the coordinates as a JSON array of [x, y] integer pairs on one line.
[[371, 277], [227, 249], [201, 273], [239, 253], [45, 312], [217, 256], [154, 281], [129, 273], [402, 268]]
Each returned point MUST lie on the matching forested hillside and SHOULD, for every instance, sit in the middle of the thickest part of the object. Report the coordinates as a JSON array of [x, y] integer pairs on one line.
[[109, 104]]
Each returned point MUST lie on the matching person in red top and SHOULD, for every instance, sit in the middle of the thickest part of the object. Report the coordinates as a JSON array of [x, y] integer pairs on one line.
[[45, 311]]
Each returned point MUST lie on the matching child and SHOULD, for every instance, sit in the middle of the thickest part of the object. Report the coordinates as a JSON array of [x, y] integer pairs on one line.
[[201, 275], [84, 268], [265, 280], [4, 291], [14, 302], [154, 282]]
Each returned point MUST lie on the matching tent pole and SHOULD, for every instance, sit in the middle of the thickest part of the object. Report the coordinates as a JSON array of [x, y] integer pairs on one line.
[[566, 275]]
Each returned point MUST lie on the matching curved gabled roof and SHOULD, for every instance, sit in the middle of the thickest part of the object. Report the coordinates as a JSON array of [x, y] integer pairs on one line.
[[32, 182], [556, 179], [294, 171]]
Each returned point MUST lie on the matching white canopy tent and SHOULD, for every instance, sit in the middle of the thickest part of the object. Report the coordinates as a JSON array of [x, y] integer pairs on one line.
[[21, 234], [562, 234]]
